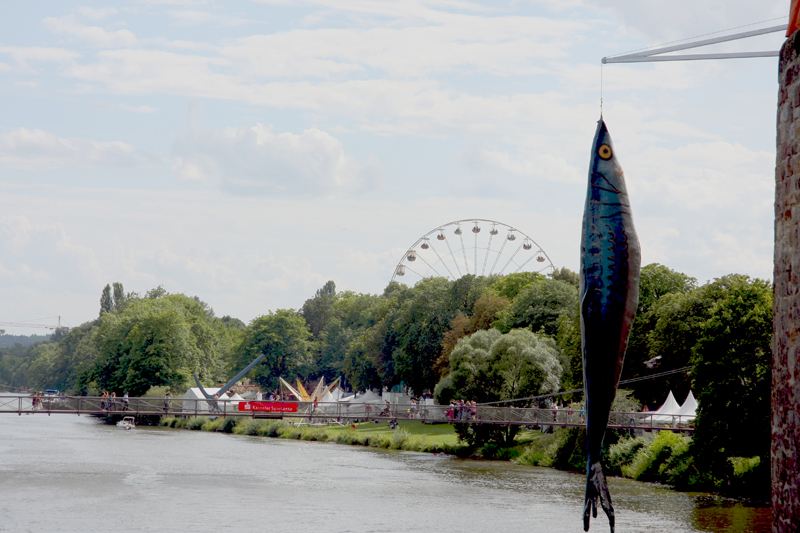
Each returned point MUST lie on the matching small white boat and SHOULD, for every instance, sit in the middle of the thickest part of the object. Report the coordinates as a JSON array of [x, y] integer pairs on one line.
[[127, 423]]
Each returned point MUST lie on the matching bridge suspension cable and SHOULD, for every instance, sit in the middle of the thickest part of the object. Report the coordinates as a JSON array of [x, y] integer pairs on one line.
[[576, 391]]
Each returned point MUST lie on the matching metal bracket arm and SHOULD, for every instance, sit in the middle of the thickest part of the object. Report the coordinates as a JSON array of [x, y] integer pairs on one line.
[[655, 55]]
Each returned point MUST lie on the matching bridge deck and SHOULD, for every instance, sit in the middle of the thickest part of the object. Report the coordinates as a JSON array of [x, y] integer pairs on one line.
[[307, 412]]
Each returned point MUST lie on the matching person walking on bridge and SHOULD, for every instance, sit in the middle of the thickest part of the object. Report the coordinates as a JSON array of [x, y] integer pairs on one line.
[[166, 403], [125, 401]]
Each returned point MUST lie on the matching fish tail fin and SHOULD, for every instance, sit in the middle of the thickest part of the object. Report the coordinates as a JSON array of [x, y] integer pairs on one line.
[[597, 488]]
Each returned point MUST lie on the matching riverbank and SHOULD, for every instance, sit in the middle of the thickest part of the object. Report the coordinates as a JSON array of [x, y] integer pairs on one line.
[[662, 457]]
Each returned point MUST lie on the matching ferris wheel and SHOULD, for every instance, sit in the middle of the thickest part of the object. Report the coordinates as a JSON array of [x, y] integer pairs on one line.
[[449, 251]]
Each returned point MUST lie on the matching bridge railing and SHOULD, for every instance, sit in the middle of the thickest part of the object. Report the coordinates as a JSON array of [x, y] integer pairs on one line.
[[321, 413]]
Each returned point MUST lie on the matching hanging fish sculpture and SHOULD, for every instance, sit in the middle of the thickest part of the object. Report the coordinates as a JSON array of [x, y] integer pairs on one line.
[[609, 294]]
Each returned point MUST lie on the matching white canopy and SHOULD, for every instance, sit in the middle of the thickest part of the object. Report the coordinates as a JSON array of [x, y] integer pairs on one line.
[[668, 410], [689, 407], [367, 397], [193, 399], [195, 394]]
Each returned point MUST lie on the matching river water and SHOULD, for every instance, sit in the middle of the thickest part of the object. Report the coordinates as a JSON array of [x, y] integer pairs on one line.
[[64, 473]]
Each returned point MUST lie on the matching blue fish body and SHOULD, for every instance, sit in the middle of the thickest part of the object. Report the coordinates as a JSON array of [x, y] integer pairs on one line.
[[609, 295]]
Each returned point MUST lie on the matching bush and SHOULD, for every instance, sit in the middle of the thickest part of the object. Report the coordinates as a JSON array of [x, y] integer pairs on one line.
[[195, 422], [623, 452], [272, 428], [399, 437], [493, 451], [652, 462], [567, 450], [221, 424]]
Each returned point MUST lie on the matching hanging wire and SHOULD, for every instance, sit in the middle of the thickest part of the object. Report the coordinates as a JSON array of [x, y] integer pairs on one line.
[[601, 90], [575, 391]]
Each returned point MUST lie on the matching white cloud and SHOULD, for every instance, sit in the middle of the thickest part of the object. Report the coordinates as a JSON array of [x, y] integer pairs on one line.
[[43, 254], [484, 161], [25, 56], [681, 19], [194, 17], [187, 17], [257, 160], [33, 149], [95, 35], [96, 14], [499, 46], [702, 176]]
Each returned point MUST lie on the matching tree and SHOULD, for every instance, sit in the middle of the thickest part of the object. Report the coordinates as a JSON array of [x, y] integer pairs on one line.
[[565, 274], [106, 302], [510, 285], [119, 296], [158, 342], [657, 280], [285, 339], [489, 366], [538, 306], [319, 309], [486, 309], [417, 330], [352, 315], [733, 375], [660, 290]]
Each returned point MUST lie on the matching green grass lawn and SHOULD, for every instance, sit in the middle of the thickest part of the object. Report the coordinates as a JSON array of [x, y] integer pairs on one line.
[[441, 434]]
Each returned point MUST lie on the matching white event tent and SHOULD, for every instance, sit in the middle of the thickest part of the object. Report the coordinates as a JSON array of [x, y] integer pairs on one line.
[[670, 410]]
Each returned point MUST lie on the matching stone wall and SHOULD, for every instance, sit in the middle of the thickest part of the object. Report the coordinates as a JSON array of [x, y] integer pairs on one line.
[[786, 338]]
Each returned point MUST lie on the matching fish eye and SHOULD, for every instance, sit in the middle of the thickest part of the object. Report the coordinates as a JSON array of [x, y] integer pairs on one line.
[[604, 151]]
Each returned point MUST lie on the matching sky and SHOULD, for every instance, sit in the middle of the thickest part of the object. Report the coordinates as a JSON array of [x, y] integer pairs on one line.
[[248, 151]]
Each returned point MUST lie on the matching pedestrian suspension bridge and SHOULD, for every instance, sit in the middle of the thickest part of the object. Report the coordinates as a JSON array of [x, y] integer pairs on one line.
[[319, 413]]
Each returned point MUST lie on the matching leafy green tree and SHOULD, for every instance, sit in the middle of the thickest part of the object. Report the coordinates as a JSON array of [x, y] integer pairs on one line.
[[119, 296], [657, 280], [319, 309], [568, 338], [732, 374], [567, 275], [352, 315], [158, 342], [77, 352], [538, 306], [418, 328], [158, 292], [359, 365], [659, 292], [232, 322], [486, 309], [489, 366], [510, 285], [106, 302], [285, 339]]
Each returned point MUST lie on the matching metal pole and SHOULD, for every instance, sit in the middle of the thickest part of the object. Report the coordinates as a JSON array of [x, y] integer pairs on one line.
[[647, 55]]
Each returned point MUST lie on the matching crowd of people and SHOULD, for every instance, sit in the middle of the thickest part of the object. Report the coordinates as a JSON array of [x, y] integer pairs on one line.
[[462, 410], [108, 402]]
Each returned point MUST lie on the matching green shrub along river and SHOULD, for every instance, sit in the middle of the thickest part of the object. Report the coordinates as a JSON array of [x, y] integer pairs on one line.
[[664, 457]]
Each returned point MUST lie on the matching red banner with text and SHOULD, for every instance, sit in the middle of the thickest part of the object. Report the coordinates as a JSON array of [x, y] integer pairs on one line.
[[270, 407]]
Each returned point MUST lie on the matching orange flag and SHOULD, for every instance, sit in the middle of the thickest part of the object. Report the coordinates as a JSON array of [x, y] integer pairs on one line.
[[794, 18]]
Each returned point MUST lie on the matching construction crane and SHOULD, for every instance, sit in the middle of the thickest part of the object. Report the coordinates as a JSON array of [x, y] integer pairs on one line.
[[29, 325]]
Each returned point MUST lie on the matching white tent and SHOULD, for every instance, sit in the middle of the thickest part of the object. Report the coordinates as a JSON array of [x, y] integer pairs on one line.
[[367, 397], [689, 408], [667, 412], [193, 399], [235, 399]]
